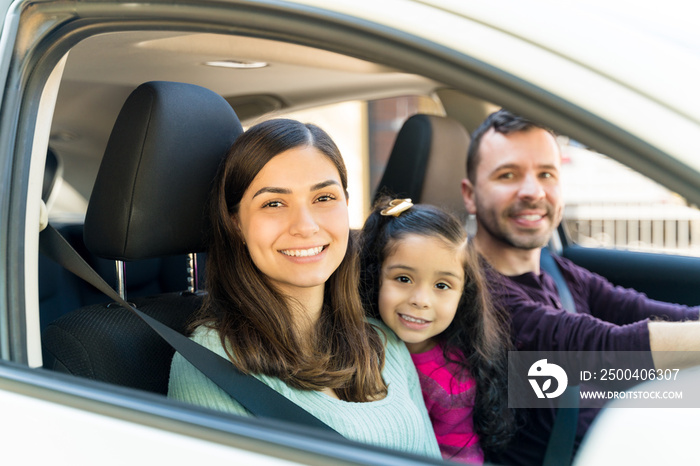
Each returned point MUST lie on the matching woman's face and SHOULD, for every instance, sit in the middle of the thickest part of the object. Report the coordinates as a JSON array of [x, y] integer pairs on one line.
[[294, 220]]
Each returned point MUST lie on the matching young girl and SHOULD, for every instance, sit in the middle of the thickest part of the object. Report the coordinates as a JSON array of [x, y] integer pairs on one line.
[[419, 275], [283, 301]]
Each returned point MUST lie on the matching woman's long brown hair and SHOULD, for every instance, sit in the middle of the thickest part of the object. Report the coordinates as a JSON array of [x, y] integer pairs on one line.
[[254, 320]]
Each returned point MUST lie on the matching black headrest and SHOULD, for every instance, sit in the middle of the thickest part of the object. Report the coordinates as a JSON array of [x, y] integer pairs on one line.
[[161, 158], [427, 162]]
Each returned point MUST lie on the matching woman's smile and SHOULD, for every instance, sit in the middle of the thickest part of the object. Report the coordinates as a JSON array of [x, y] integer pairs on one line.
[[303, 252]]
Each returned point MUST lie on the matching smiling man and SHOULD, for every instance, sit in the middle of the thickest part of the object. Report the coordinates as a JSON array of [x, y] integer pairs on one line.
[[513, 188]]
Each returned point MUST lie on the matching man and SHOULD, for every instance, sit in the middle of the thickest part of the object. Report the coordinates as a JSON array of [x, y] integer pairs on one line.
[[513, 187]]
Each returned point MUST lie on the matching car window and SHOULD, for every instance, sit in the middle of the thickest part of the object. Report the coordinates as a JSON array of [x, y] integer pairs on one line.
[[71, 118], [609, 205], [76, 122]]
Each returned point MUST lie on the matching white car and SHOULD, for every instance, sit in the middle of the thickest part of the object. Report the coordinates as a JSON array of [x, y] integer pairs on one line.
[[620, 79]]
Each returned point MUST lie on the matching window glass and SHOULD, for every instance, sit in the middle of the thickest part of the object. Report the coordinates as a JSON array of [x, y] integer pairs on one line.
[[609, 205]]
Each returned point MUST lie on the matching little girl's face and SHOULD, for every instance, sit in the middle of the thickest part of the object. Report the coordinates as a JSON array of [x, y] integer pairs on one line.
[[421, 285]]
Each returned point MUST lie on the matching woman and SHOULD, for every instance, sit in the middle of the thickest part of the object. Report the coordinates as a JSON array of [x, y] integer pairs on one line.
[[283, 300]]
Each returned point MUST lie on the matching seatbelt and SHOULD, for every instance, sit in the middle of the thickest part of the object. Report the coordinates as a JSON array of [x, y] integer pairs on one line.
[[251, 393], [560, 447], [548, 264]]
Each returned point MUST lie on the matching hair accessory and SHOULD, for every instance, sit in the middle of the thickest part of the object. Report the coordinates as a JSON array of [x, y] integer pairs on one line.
[[396, 207]]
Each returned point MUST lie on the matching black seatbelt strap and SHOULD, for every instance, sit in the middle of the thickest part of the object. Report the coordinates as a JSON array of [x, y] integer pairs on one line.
[[560, 447], [548, 265], [251, 393]]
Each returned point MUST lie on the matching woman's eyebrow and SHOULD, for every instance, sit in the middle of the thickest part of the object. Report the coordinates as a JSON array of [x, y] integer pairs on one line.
[[324, 184], [273, 191]]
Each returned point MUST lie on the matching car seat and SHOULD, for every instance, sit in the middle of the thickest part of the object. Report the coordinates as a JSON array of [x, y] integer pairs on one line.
[[148, 201], [427, 163], [61, 292]]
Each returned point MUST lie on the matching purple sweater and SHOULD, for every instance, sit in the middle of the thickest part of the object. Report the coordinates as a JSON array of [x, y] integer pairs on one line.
[[608, 318]]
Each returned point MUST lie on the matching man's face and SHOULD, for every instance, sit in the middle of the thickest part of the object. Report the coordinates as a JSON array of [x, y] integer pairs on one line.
[[516, 196]]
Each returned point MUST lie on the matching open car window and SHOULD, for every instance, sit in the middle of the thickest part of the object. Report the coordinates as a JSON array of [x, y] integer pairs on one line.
[[609, 205]]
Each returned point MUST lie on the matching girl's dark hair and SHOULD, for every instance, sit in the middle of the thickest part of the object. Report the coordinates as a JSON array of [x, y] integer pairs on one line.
[[478, 330], [254, 320]]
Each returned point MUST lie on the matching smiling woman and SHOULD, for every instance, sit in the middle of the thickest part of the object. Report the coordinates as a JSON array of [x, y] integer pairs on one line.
[[283, 286]]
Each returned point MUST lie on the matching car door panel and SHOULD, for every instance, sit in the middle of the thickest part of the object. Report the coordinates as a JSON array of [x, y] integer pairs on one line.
[[661, 276]]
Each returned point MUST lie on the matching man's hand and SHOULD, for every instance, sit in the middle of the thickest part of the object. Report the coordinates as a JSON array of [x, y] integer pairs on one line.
[[675, 345]]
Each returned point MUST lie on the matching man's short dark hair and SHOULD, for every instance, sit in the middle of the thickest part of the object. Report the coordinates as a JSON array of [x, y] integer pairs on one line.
[[503, 122]]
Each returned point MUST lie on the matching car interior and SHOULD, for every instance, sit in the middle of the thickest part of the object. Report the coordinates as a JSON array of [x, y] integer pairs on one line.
[[101, 71], [126, 187], [141, 120]]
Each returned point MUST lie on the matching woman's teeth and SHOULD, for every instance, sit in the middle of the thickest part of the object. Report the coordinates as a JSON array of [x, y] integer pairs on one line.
[[302, 252]]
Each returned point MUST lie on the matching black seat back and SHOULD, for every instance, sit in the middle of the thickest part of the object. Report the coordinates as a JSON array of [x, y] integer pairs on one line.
[[427, 163], [61, 292], [147, 202]]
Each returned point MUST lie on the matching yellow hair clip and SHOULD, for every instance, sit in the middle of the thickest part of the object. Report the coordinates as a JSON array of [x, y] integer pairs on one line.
[[396, 207]]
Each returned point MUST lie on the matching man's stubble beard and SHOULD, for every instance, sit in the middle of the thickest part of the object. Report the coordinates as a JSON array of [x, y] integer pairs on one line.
[[490, 223]]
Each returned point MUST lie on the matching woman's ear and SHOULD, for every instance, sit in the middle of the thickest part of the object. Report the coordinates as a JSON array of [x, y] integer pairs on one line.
[[237, 226]]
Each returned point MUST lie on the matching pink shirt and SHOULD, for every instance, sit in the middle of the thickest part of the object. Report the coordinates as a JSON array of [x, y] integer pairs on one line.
[[450, 403]]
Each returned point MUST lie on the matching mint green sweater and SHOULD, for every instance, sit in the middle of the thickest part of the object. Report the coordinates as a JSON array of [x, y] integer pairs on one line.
[[399, 421]]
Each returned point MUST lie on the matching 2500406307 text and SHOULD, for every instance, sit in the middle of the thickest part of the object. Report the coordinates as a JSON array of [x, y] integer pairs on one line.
[[630, 374]]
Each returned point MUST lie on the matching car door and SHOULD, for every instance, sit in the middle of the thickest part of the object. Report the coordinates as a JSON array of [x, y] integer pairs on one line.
[[670, 278]]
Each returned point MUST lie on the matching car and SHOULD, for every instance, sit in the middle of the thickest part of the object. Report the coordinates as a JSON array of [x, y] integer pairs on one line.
[[619, 80]]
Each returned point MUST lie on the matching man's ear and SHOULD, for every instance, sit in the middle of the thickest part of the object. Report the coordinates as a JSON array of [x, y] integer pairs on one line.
[[468, 196]]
